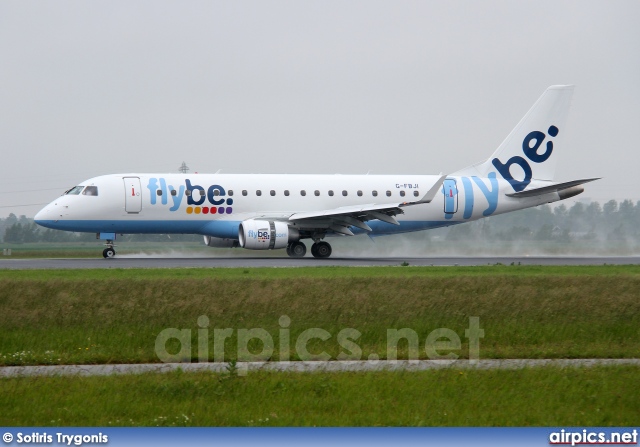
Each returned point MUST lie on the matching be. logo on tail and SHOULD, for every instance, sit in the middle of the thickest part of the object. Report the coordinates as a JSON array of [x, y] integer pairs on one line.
[[530, 146]]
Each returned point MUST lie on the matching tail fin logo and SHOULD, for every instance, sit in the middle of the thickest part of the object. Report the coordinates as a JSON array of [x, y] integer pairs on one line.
[[530, 146]]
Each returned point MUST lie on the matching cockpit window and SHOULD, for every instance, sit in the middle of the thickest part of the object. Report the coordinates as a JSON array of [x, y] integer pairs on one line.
[[75, 191], [90, 191]]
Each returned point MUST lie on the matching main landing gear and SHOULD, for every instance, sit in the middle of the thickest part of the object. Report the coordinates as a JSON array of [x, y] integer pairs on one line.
[[296, 249], [319, 249], [109, 252]]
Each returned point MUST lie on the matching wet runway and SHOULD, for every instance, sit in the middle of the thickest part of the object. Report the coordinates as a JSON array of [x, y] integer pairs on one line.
[[246, 262], [312, 366]]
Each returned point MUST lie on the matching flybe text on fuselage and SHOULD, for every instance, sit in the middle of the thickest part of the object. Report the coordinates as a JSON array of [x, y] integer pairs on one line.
[[160, 192]]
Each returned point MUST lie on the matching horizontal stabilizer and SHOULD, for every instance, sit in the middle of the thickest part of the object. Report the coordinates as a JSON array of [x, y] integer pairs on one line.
[[556, 187]]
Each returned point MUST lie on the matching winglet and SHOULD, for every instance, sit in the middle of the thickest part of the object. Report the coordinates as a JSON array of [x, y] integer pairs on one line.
[[429, 196]]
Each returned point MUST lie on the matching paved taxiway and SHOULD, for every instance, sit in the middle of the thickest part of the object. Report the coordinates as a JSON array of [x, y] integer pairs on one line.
[[246, 262], [330, 366]]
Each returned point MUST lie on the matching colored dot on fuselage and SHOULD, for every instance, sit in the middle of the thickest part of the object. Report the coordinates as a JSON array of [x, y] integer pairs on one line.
[[197, 210], [205, 210], [189, 210], [221, 209]]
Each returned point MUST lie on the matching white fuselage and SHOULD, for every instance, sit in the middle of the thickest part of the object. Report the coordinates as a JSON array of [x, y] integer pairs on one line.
[[172, 203]]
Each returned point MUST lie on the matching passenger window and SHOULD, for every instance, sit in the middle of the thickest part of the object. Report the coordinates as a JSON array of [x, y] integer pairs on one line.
[[90, 191], [316, 192], [286, 192], [202, 193], [230, 192], [188, 192], [174, 192], [359, 193], [330, 193], [416, 193], [272, 192], [244, 192], [344, 193], [258, 193], [401, 193], [159, 192], [374, 193], [303, 193], [388, 193], [216, 192]]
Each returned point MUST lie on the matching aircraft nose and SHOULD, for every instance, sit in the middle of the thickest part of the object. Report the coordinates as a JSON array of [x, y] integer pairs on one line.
[[45, 216], [40, 216]]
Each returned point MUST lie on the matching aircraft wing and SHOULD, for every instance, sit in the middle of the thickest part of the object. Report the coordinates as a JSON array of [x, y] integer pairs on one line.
[[556, 187], [340, 219]]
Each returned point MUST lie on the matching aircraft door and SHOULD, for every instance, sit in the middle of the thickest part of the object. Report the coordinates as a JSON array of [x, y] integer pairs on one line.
[[450, 191], [132, 195]]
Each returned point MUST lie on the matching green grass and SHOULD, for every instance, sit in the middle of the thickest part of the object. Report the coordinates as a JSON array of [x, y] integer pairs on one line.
[[115, 316], [601, 396], [293, 273]]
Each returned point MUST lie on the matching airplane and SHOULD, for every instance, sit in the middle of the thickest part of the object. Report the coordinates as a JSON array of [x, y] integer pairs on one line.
[[269, 212]]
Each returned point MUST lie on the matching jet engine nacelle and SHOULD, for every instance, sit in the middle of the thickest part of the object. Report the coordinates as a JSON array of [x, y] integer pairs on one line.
[[219, 242], [266, 235]]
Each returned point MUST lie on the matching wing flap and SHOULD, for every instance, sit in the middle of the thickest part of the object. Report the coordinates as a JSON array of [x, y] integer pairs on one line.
[[386, 208], [345, 211], [340, 219]]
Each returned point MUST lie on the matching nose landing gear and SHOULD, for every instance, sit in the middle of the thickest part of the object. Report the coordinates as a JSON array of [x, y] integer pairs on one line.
[[109, 252]]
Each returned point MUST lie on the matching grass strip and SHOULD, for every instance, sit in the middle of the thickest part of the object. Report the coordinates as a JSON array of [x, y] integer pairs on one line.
[[624, 271], [115, 316], [599, 396]]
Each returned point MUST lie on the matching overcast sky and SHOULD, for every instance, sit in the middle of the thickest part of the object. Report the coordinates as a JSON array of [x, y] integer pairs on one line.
[[91, 88]]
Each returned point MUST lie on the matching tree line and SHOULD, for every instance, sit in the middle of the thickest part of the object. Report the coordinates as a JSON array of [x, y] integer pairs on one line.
[[611, 222], [21, 230]]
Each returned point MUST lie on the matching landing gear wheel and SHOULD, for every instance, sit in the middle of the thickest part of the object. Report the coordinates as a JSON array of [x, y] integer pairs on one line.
[[321, 249], [108, 252], [296, 249]]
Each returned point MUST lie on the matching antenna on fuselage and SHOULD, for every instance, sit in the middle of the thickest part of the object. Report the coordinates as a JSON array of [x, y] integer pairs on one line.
[[183, 168]]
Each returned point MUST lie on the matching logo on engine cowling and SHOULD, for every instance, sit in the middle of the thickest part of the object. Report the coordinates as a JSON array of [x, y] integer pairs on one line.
[[196, 195], [262, 235]]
